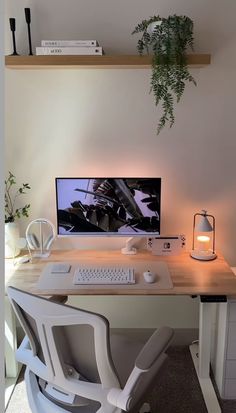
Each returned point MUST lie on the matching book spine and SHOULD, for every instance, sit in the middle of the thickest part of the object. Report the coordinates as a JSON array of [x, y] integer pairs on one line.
[[68, 43], [83, 50]]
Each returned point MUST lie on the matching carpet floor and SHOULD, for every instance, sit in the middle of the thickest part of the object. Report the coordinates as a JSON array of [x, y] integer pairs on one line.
[[176, 391]]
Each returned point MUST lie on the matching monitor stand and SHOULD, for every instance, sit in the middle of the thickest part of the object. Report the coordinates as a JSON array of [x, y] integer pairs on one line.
[[129, 249]]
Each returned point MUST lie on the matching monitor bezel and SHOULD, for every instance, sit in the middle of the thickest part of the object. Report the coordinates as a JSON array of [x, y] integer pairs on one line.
[[107, 234]]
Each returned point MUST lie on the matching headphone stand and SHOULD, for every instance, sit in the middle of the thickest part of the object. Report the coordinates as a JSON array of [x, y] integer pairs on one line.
[[40, 235]]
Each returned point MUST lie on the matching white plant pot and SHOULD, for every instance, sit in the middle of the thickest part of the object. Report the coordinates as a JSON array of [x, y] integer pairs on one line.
[[152, 26], [12, 240]]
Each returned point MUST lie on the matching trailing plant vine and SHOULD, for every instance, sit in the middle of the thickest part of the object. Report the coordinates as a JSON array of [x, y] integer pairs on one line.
[[168, 43]]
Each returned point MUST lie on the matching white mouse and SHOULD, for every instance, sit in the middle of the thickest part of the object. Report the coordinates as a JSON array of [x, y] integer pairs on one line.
[[149, 277]]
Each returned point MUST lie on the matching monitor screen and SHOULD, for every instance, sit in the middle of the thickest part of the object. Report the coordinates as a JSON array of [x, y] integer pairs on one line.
[[108, 206]]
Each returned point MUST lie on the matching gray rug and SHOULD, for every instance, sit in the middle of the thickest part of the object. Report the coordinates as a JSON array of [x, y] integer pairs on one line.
[[177, 390]]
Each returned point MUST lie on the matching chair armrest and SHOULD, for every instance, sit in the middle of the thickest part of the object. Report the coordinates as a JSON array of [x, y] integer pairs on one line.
[[123, 398], [152, 355], [156, 345]]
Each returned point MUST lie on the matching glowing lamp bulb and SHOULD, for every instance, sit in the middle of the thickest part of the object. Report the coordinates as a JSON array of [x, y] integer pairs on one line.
[[203, 242]]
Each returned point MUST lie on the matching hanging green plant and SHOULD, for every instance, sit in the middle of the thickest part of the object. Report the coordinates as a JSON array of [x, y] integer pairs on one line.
[[167, 39]]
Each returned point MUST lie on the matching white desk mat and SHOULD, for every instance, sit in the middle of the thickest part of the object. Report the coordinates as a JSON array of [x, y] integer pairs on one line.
[[49, 280]]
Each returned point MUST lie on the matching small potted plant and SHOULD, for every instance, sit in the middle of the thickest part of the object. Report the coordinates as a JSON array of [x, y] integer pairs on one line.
[[168, 40], [12, 213]]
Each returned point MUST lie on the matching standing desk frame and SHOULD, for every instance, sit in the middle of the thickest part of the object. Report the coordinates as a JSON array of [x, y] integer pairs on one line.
[[189, 277]]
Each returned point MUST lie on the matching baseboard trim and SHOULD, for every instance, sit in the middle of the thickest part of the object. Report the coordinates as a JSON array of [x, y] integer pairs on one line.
[[182, 336]]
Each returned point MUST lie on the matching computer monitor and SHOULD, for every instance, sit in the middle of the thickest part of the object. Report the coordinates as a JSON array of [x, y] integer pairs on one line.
[[108, 206]]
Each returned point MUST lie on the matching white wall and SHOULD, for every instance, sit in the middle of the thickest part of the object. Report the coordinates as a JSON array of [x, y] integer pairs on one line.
[[2, 341], [103, 122]]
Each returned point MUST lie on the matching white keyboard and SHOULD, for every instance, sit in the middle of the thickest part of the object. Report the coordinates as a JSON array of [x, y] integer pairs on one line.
[[104, 275]]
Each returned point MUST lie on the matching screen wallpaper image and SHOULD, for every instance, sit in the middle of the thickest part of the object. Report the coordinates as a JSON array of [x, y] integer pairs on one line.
[[122, 206]]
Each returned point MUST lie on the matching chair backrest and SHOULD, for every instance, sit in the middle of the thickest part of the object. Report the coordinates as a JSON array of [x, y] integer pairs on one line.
[[66, 343], [69, 350]]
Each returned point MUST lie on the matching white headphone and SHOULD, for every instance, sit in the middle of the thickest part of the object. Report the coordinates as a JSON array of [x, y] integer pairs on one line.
[[43, 241]]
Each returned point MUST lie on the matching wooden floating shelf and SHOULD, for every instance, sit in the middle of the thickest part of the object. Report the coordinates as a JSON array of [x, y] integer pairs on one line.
[[108, 62]]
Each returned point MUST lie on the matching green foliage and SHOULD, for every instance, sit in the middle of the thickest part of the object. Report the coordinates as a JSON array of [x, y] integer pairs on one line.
[[11, 212], [168, 43]]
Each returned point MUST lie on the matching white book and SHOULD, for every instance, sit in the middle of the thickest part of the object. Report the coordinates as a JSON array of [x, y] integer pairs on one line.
[[70, 43], [82, 50]]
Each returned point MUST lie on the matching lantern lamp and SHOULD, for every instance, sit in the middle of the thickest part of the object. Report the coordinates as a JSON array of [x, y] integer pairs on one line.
[[203, 247]]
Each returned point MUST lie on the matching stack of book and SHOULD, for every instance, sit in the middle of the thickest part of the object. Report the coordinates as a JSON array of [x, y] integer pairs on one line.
[[69, 47]]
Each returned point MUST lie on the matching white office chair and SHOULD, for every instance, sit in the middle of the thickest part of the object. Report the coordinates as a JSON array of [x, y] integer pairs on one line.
[[69, 359]]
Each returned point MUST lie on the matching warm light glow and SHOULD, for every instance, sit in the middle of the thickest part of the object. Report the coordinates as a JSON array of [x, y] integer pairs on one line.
[[203, 238], [203, 242]]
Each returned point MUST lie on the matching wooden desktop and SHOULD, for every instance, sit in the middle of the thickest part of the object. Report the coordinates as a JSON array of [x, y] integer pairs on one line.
[[190, 277]]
